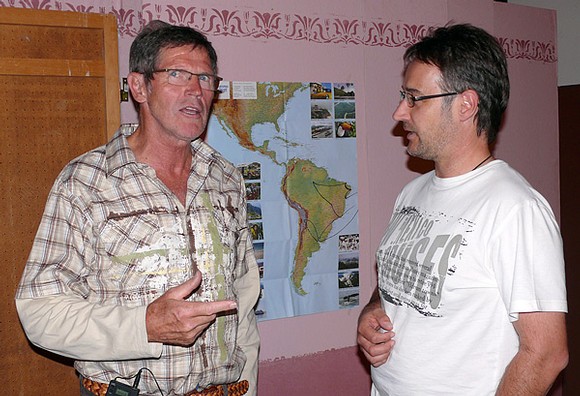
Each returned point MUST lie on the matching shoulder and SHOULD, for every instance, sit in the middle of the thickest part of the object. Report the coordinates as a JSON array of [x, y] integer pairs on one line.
[[84, 168], [503, 182], [510, 200], [219, 166], [92, 168]]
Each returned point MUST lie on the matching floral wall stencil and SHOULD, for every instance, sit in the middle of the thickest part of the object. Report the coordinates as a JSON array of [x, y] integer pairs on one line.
[[237, 23]]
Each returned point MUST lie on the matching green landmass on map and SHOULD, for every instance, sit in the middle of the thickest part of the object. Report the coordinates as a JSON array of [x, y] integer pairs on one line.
[[240, 115], [319, 201]]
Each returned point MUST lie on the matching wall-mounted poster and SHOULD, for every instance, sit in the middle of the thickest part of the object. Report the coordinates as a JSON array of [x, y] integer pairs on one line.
[[295, 144]]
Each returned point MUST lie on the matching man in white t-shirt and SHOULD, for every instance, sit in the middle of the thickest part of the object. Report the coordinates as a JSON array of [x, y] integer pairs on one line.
[[471, 296]]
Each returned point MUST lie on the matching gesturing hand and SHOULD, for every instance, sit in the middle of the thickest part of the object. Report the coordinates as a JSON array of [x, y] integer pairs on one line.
[[172, 320], [375, 334]]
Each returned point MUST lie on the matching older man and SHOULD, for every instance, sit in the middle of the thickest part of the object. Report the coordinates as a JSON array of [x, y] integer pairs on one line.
[[142, 269]]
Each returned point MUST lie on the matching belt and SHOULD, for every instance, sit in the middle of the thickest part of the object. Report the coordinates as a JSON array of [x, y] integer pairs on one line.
[[96, 388], [234, 389]]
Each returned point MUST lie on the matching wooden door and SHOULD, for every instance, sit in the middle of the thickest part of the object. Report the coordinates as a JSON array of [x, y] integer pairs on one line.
[[59, 97]]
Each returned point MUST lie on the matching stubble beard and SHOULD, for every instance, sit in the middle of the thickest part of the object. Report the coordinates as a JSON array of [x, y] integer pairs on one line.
[[419, 150]]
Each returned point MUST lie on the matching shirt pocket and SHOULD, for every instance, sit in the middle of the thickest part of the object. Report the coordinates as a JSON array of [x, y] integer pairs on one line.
[[123, 244], [123, 236]]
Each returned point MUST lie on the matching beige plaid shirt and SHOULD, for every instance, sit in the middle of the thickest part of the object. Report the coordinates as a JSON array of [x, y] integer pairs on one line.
[[112, 239]]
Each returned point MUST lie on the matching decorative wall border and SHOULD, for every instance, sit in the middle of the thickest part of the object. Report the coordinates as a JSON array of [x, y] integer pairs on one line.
[[280, 26]]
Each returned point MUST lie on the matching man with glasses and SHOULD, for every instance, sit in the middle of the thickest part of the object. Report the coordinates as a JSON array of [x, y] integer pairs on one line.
[[142, 269], [471, 295]]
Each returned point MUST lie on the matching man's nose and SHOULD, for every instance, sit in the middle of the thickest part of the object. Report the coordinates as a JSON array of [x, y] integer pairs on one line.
[[194, 86], [402, 111]]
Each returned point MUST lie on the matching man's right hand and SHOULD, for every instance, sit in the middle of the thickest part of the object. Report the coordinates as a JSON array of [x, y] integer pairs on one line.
[[172, 320], [375, 334]]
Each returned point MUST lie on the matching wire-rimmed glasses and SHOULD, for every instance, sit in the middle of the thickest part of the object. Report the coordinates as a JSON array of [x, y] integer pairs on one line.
[[411, 99], [182, 77]]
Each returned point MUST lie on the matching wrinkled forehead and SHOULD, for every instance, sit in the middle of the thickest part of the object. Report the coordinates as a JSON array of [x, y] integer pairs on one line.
[[195, 51], [185, 55]]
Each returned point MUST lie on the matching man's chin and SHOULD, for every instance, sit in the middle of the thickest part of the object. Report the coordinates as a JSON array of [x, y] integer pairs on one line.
[[414, 152]]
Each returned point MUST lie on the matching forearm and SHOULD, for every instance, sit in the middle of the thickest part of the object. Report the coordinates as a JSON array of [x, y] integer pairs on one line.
[[73, 327], [524, 376], [248, 288], [542, 355], [374, 301], [373, 304]]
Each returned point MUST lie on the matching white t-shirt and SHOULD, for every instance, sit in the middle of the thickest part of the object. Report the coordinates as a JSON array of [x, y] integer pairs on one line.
[[461, 257]]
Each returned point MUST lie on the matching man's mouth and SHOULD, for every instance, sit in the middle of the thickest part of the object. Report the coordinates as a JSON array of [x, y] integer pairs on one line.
[[191, 110]]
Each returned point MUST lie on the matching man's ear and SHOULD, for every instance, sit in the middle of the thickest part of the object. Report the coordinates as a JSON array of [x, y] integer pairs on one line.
[[469, 104], [137, 86]]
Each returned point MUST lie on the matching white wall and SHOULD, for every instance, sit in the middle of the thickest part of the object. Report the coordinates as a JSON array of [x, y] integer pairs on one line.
[[568, 14]]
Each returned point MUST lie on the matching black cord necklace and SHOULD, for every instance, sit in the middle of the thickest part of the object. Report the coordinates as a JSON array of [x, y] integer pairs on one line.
[[481, 163]]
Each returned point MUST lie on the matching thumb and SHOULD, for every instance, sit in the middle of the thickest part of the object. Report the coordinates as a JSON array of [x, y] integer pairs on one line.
[[181, 292], [385, 322]]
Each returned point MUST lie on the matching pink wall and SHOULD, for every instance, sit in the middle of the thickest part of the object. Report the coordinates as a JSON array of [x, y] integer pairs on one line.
[[360, 41]]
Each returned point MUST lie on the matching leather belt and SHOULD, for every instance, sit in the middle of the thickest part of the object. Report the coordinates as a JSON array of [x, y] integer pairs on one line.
[[234, 389], [96, 388]]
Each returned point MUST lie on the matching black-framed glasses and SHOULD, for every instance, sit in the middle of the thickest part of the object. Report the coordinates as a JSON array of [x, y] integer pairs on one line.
[[180, 77], [410, 99]]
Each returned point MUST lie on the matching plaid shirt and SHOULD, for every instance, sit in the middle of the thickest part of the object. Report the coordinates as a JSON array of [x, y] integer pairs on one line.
[[114, 235]]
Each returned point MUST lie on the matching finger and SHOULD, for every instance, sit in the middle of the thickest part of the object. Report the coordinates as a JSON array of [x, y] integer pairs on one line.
[[385, 323], [364, 345], [181, 292], [206, 312], [379, 362], [374, 333], [378, 346], [376, 361], [378, 354], [381, 336], [214, 307]]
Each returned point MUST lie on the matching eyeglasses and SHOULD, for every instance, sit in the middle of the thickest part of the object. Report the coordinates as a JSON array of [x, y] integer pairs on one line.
[[182, 77], [410, 99]]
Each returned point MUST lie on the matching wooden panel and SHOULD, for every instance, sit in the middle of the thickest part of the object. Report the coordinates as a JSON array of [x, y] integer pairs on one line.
[[569, 118], [40, 42], [59, 67], [21, 16], [52, 109], [51, 42]]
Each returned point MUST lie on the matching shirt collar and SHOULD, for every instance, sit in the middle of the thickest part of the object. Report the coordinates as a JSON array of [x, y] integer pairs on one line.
[[119, 153]]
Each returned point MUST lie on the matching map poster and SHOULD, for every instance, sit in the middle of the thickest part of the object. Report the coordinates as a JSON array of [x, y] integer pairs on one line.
[[295, 144]]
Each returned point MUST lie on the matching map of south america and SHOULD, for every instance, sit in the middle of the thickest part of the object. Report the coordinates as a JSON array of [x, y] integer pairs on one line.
[[319, 201]]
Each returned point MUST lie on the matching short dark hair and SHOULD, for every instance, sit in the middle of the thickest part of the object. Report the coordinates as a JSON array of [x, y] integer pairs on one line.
[[468, 58], [157, 36]]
